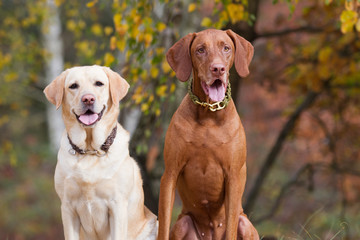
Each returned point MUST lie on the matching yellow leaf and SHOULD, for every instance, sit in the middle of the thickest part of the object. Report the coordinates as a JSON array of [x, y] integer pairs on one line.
[[11, 76], [117, 18], [223, 17], [172, 88], [349, 5], [4, 119], [108, 30], [13, 159], [128, 54], [117, 22], [151, 98], [353, 67], [144, 107], [91, 4], [160, 50], [144, 75], [24, 113], [324, 71], [161, 91], [192, 7], [108, 59], [348, 15], [113, 43], [96, 29], [121, 44], [154, 72], [7, 146], [158, 112], [71, 25], [148, 39], [161, 26], [324, 54], [137, 98], [348, 19], [236, 12], [134, 32], [357, 25], [137, 19], [206, 22], [165, 66], [122, 30], [59, 2], [82, 24]]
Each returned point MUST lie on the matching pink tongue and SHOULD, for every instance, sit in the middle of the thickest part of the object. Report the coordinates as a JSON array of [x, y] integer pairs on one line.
[[217, 92], [88, 119]]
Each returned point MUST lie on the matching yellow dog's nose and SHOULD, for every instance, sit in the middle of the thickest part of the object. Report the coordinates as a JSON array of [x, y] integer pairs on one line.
[[88, 99]]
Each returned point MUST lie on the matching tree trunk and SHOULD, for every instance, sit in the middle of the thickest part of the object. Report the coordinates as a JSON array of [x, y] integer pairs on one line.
[[54, 66]]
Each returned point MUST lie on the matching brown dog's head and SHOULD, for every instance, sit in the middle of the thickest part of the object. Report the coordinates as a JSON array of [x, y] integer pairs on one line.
[[86, 92], [210, 54]]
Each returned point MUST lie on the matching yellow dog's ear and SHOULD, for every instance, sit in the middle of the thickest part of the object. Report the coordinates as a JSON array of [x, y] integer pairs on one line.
[[118, 86], [54, 92], [244, 52], [179, 58]]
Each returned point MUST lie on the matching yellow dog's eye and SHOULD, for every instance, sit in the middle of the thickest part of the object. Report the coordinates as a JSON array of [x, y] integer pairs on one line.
[[99, 84], [226, 49], [74, 86]]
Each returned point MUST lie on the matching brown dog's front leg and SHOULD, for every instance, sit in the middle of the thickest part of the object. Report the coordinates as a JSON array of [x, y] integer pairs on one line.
[[166, 203], [235, 186]]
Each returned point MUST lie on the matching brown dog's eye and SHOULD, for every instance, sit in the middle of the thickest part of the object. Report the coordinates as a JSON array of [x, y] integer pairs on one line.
[[99, 84], [74, 86], [201, 50], [226, 49]]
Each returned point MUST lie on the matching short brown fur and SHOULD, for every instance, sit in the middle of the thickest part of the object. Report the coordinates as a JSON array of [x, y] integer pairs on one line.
[[205, 151]]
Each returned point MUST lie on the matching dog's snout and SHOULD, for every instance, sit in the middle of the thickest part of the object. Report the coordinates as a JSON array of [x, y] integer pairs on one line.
[[217, 69], [88, 99]]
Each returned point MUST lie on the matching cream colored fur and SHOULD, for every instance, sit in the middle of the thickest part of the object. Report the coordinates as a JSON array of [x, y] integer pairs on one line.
[[101, 197]]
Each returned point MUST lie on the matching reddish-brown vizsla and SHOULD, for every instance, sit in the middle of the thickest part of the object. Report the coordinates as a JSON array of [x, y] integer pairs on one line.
[[205, 147]]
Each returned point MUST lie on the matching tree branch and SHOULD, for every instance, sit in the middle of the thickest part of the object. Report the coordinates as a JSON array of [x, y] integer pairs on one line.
[[308, 29], [346, 86], [276, 149], [294, 181]]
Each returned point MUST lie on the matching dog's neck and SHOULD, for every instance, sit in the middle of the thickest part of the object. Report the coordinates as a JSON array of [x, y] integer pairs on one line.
[[91, 138], [203, 113]]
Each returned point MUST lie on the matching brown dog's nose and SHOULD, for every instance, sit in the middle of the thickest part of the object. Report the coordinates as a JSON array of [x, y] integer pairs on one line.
[[217, 69], [88, 99]]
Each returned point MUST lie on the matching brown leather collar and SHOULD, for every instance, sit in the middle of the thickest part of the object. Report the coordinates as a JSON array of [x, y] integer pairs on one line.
[[104, 147]]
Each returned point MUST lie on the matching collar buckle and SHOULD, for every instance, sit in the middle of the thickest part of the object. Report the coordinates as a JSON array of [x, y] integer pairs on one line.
[[212, 106]]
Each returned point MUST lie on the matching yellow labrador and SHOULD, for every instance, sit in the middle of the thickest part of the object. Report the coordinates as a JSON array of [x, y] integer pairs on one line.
[[99, 184]]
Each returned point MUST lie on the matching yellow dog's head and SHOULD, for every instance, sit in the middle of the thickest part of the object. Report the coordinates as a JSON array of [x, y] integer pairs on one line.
[[87, 93]]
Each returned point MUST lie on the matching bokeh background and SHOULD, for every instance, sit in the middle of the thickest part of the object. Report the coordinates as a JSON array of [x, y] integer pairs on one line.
[[300, 106]]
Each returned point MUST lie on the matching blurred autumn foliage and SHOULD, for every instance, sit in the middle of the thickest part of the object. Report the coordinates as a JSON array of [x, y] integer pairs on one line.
[[299, 106]]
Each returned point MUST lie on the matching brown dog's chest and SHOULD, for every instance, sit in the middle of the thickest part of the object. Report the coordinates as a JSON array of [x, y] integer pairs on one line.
[[208, 150]]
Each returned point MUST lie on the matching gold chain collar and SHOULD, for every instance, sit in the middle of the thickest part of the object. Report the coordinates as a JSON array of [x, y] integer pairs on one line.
[[212, 106]]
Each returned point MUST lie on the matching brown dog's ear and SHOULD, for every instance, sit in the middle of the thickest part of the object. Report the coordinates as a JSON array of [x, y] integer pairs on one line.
[[179, 57], [244, 52], [54, 92], [118, 86]]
